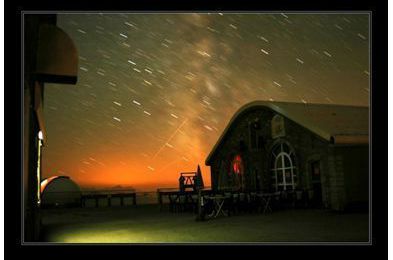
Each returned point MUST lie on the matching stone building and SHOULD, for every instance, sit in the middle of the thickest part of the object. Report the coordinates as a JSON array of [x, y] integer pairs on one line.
[[279, 146]]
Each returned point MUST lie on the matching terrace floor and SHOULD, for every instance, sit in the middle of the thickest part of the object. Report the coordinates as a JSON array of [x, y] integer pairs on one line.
[[146, 224]]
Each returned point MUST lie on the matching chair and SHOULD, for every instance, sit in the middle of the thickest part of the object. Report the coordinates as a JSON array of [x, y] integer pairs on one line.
[[299, 198], [276, 200], [229, 203]]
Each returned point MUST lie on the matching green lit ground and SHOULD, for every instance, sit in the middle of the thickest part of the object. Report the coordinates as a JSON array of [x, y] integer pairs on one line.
[[146, 224]]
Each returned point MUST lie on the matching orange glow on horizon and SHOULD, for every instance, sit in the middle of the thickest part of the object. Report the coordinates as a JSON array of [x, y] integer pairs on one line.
[[115, 173]]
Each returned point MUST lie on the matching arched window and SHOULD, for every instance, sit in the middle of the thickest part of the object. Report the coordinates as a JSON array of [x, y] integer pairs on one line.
[[237, 172], [283, 167], [237, 165]]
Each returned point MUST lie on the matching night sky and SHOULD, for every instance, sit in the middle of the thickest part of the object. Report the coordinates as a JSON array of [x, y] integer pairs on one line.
[[155, 91]]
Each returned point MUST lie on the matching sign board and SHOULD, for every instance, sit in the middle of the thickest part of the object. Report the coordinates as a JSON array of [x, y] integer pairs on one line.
[[278, 127]]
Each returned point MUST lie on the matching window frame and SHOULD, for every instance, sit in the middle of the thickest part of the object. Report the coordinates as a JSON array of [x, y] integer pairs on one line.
[[280, 172]]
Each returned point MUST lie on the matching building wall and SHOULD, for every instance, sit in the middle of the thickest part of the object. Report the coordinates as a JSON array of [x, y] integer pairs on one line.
[[305, 143], [349, 177], [26, 144], [27, 160], [336, 180], [356, 176], [30, 125], [232, 146], [336, 189]]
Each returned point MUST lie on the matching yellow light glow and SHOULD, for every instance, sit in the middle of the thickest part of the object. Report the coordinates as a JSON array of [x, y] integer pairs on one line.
[[40, 135], [39, 169]]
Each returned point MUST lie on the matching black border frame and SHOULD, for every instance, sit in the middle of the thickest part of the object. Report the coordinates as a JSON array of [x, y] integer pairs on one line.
[[13, 113]]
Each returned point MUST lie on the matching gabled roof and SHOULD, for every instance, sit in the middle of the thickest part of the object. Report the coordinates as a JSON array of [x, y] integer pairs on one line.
[[339, 124]]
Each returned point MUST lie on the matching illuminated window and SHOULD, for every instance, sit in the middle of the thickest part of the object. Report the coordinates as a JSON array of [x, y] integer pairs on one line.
[[237, 172], [283, 167], [237, 165]]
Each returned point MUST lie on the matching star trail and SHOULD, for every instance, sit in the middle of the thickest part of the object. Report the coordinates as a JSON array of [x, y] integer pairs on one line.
[[156, 90]]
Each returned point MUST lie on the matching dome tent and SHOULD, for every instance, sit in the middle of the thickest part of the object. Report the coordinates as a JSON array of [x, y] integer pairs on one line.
[[60, 191]]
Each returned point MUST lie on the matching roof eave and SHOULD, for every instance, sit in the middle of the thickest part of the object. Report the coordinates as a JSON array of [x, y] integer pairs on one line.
[[337, 139]]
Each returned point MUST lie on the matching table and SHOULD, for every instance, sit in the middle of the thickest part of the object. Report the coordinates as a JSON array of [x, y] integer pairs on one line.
[[265, 199], [218, 202]]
